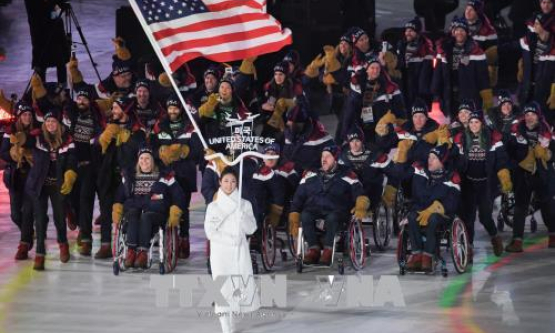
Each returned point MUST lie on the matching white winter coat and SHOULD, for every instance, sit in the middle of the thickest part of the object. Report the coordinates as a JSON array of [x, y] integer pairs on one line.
[[226, 227]]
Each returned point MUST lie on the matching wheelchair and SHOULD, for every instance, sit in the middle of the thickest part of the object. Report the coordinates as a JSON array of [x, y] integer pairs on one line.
[[400, 209], [273, 239], [451, 236], [349, 241], [166, 240], [507, 212], [381, 220]]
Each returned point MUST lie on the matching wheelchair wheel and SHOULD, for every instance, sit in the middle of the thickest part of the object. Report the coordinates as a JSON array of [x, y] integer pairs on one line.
[[357, 245], [500, 223], [459, 245], [155, 241], [170, 249], [508, 208], [119, 248], [291, 243], [399, 210], [268, 252], [300, 249], [403, 249], [382, 224]]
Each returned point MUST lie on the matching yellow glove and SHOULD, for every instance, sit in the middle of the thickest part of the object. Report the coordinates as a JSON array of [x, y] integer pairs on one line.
[[207, 109], [247, 66], [276, 121], [391, 65], [164, 80], [361, 207], [294, 223], [543, 154], [174, 216], [492, 56], [122, 137], [388, 196], [16, 153], [284, 104], [274, 215], [165, 154], [220, 165], [177, 151], [504, 177], [122, 52], [74, 72], [443, 135], [551, 99], [69, 179], [117, 213], [38, 87], [28, 155], [430, 137], [331, 64], [487, 98], [18, 138], [313, 69], [5, 104], [402, 151], [529, 162], [106, 137], [105, 106], [382, 125], [328, 79], [435, 208]]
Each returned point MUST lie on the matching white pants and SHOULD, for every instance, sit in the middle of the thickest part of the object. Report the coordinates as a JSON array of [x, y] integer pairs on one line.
[[227, 321]]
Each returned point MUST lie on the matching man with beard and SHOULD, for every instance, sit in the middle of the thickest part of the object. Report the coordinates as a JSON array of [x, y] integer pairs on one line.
[[85, 123], [119, 143], [329, 193], [531, 146], [416, 54], [147, 109], [483, 33], [179, 149], [538, 55], [211, 78], [461, 72]]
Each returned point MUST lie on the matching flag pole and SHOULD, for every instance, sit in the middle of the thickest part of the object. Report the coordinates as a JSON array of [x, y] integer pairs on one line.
[[167, 69]]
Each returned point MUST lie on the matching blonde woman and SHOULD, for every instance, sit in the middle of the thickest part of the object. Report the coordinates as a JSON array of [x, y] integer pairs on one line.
[[51, 177]]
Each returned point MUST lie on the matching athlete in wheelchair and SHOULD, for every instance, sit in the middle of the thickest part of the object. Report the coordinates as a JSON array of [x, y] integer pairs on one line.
[[435, 198], [144, 202], [371, 165], [269, 190], [327, 194]]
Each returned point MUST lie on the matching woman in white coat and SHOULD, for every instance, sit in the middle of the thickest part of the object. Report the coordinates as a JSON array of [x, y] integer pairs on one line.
[[228, 220]]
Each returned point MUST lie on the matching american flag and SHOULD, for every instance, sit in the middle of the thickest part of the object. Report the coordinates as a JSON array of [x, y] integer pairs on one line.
[[219, 30]]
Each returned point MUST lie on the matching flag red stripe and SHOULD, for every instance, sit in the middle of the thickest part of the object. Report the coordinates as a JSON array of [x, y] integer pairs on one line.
[[233, 3], [232, 55], [203, 25], [221, 39]]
